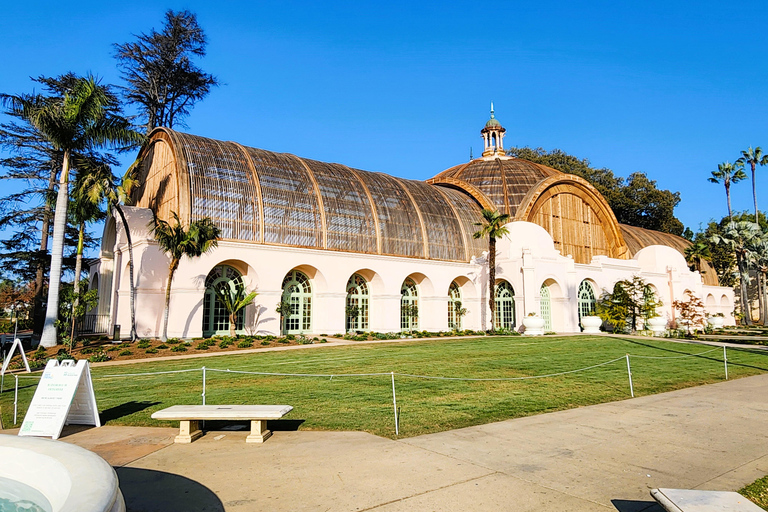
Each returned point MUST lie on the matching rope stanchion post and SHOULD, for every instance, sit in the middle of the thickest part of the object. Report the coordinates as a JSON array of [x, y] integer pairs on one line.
[[725, 362], [394, 403], [15, 400], [203, 385], [629, 372]]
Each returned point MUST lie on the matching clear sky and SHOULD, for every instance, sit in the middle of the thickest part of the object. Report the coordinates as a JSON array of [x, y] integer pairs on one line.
[[671, 88]]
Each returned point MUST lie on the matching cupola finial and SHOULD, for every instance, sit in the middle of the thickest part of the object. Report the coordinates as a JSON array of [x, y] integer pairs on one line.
[[493, 134], [492, 117]]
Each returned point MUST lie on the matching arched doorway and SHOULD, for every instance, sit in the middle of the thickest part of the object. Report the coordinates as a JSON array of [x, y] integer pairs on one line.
[[455, 308], [505, 305], [545, 307], [358, 298], [215, 315], [296, 303], [586, 300], [409, 305]]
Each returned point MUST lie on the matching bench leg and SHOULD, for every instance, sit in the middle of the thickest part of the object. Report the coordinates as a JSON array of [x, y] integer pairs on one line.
[[189, 430], [259, 432]]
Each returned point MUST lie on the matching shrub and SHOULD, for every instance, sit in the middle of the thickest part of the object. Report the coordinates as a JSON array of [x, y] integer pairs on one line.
[[290, 337], [99, 357], [88, 342], [225, 343], [173, 341], [284, 340], [86, 351], [265, 342], [303, 340], [161, 346], [179, 348], [113, 348], [125, 353], [244, 344], [151, 351], [143, 344]]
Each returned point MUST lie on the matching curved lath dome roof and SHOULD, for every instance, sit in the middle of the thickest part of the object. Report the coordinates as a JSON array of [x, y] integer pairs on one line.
[[278, 198]]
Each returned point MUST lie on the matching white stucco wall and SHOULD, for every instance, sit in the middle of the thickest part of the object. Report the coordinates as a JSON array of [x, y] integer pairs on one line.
[[526, 258]]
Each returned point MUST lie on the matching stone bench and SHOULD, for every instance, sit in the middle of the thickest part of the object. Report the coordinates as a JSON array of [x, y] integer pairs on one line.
[[190, 416], [690, 500]]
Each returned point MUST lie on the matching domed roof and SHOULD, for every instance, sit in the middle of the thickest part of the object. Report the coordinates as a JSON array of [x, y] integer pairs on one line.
[[501, 182], [492, 123]]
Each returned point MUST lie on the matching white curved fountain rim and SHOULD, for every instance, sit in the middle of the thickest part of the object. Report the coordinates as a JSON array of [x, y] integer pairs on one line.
[[52, 467]]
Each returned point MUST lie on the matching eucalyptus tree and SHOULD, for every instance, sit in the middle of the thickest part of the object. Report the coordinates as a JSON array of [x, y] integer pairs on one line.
[[102, 184], [174, 239], [753, 157], [492, 227], [234, 297], [85, 118], [737, 237], [728, 174], [162, 81]]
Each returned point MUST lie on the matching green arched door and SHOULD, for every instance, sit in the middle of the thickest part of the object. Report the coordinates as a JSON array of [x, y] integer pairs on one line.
[[358, 297], [215, 315], [409, 306], [586, 300], [545, 306], [454, 307], [505, 305], [297, 294]]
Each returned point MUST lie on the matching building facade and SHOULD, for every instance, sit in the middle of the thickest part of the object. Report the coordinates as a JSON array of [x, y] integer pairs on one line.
[[344, 249]]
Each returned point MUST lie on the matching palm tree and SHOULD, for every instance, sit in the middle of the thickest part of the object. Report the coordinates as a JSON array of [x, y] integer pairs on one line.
[[201, 236], [493, 227], [753, 157], [101, 183], [233, 297], [85, 118], [728, 174], [736, 237], [758, 256], [697, 252]]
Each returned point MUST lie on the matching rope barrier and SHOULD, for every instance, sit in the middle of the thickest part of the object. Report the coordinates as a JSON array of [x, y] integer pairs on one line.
[[676, 357], [323, 375]]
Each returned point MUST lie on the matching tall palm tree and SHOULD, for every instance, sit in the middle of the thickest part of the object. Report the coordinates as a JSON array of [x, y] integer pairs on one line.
[[85, 118], [102, 184], [492, 227], [753, 157], [758, 256], [233, 297], [178, 241], [737, 237], [697, 252], [728, 174]]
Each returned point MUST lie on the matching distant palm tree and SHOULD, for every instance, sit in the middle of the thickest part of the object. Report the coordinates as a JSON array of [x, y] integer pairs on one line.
[[102, 184], [201, 236], [737, 237], [233, 297], [697, 252], [85, 118], [758, 256], [753, 157], [728, 174], [492, 227]]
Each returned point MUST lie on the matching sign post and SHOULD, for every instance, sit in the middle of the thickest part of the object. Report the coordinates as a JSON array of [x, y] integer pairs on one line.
[[8, 356], [63, 397]]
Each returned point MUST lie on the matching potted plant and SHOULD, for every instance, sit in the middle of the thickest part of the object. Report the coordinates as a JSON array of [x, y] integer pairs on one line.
[[534, 325], [716, 321], [657, 325], [591, 323]]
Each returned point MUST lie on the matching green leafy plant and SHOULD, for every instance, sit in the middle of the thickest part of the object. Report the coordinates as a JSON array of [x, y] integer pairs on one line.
[[179, 348], [234, 297], [244, 344]]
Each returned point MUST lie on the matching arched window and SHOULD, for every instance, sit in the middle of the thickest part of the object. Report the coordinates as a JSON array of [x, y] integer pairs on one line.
[[545, 306], [357, 303], [297, 295], [409, 305], [586, 300], [454, 307], [505, 305], [215, 315]]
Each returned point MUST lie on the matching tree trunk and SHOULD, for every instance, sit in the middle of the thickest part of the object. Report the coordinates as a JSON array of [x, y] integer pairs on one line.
[[45, 229], [492, 280], [171, 271], [76, 284], [754, 195], [119, 210], [49, 338], [728, 197], [761, 296], [743, 295], [232, 322]]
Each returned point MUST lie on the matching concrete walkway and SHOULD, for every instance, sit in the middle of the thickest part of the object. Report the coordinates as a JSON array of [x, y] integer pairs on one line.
[[603, 457]]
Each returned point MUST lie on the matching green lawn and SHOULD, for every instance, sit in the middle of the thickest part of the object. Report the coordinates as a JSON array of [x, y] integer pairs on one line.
[[365, 403]]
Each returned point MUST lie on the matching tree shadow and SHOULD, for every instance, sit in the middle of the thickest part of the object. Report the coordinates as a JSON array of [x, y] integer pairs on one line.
[[125, 409], [636, 506], [146, 490]]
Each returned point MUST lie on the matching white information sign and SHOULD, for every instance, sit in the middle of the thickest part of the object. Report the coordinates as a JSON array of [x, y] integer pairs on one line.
[[15, 346], [63, 397]]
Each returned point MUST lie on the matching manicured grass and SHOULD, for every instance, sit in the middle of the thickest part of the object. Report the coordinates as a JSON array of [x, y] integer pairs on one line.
[[426, 405], [757, 492]]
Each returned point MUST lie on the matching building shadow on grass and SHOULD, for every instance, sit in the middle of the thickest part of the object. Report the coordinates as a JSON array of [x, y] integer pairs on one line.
[[125, 409], [636, 506], [146, 490]]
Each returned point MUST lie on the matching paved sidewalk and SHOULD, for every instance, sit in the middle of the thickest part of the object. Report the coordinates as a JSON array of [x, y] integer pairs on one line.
[[603, 457]]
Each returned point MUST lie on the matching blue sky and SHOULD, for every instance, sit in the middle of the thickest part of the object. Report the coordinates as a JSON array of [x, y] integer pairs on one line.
[[668, 88]]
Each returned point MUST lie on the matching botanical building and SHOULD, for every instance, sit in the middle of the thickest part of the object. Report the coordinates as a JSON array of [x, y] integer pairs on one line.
[[345, 249]]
